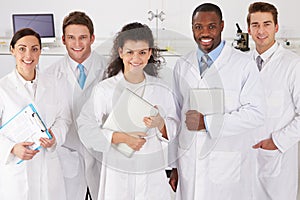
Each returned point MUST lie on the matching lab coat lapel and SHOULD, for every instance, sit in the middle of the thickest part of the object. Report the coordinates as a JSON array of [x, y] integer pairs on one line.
[[148, 93], [69, 74], [21, 90], [94, 74], [194, 65], [224, 57], [40, 90], [211, 77]]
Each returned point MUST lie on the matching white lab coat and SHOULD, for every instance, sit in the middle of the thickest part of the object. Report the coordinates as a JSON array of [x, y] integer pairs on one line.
[[277, 171], [141, 177], [41, 177], [79, 167], [219, 168]]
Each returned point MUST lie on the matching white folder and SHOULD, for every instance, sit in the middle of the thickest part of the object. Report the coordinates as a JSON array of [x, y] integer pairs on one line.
[[207, 101], [25, 126], [127, 116]]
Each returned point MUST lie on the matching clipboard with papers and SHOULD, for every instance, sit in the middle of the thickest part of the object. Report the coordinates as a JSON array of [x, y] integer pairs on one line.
[[127, 116], [26, 126]]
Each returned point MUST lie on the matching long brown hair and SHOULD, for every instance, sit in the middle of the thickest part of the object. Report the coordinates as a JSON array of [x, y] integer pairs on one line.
[[137, 32]]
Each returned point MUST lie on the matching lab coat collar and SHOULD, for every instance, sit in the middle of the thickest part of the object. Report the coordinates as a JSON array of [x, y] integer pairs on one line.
[[86, 64], [20, 87], [24, 82], [214, 54], [267, 55], [149, 81], [224, 56], [219, 62]]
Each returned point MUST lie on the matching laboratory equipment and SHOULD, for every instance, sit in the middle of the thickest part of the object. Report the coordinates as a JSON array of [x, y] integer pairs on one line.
[[242, 40]]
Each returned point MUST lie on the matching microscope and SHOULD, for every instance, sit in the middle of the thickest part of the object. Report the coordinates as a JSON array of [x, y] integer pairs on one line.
[[242, 40]]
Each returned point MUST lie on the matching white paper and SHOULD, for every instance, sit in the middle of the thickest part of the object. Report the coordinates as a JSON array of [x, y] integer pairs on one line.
[[25, 126]]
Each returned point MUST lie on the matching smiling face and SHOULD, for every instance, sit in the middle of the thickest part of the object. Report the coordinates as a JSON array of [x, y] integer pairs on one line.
[[78, 42], [207, 29], [135, 56], [27, 51], [262, 29]]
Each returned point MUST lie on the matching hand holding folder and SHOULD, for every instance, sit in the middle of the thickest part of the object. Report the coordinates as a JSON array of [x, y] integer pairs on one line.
[[207, 101], [26, 126], [210, 103], [127, 116]]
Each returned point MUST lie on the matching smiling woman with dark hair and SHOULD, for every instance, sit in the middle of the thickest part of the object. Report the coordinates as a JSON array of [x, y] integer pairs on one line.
[[134, 65], [40, 175]]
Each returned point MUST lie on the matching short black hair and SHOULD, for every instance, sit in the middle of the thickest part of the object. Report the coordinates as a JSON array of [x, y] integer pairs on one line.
[[208, 7]]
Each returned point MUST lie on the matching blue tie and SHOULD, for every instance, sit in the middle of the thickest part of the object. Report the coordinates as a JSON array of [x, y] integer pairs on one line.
[[82, 75]]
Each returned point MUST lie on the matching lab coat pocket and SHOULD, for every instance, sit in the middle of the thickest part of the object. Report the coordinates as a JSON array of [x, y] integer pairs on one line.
[[275, 102], [224, 167], [69, 161], [269, 163]]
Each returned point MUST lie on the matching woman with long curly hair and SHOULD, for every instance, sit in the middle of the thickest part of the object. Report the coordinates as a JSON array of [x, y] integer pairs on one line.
[[134, 65]]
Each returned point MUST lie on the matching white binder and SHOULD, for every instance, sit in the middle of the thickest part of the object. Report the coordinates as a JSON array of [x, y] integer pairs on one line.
[[25, 126], [207, 101], [127, 116]]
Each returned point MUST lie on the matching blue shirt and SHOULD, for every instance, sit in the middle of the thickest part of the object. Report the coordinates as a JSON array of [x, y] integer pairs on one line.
[[213, 55]]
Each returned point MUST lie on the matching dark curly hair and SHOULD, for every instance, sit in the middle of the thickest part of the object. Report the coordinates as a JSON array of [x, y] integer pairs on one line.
[[134, 31]]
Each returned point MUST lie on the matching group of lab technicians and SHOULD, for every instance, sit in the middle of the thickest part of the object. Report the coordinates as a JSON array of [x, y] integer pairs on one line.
[[248, 152]]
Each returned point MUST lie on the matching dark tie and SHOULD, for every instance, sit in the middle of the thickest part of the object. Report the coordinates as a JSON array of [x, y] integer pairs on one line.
[[82, 75], [204, 63], [259, 62]]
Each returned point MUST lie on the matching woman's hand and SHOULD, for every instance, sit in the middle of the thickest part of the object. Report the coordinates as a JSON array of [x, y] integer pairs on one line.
[[46, 142], [22, 150], [134, 140], [154, 121]]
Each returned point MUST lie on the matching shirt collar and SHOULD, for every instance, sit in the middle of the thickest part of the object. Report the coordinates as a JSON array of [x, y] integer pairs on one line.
[[87, 63], [214, 54], [267, 54], [24, 82]]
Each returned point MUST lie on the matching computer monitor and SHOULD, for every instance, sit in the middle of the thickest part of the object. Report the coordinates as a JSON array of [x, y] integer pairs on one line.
[[41, 23]]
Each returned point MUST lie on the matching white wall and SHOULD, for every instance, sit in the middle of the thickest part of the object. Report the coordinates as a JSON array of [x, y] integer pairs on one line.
[[111, 15]]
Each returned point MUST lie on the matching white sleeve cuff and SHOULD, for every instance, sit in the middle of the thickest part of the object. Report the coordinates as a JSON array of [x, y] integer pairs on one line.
[[213, 125]]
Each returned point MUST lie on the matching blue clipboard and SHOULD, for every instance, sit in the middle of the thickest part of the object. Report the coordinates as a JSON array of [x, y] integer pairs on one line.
[[30, 117]]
